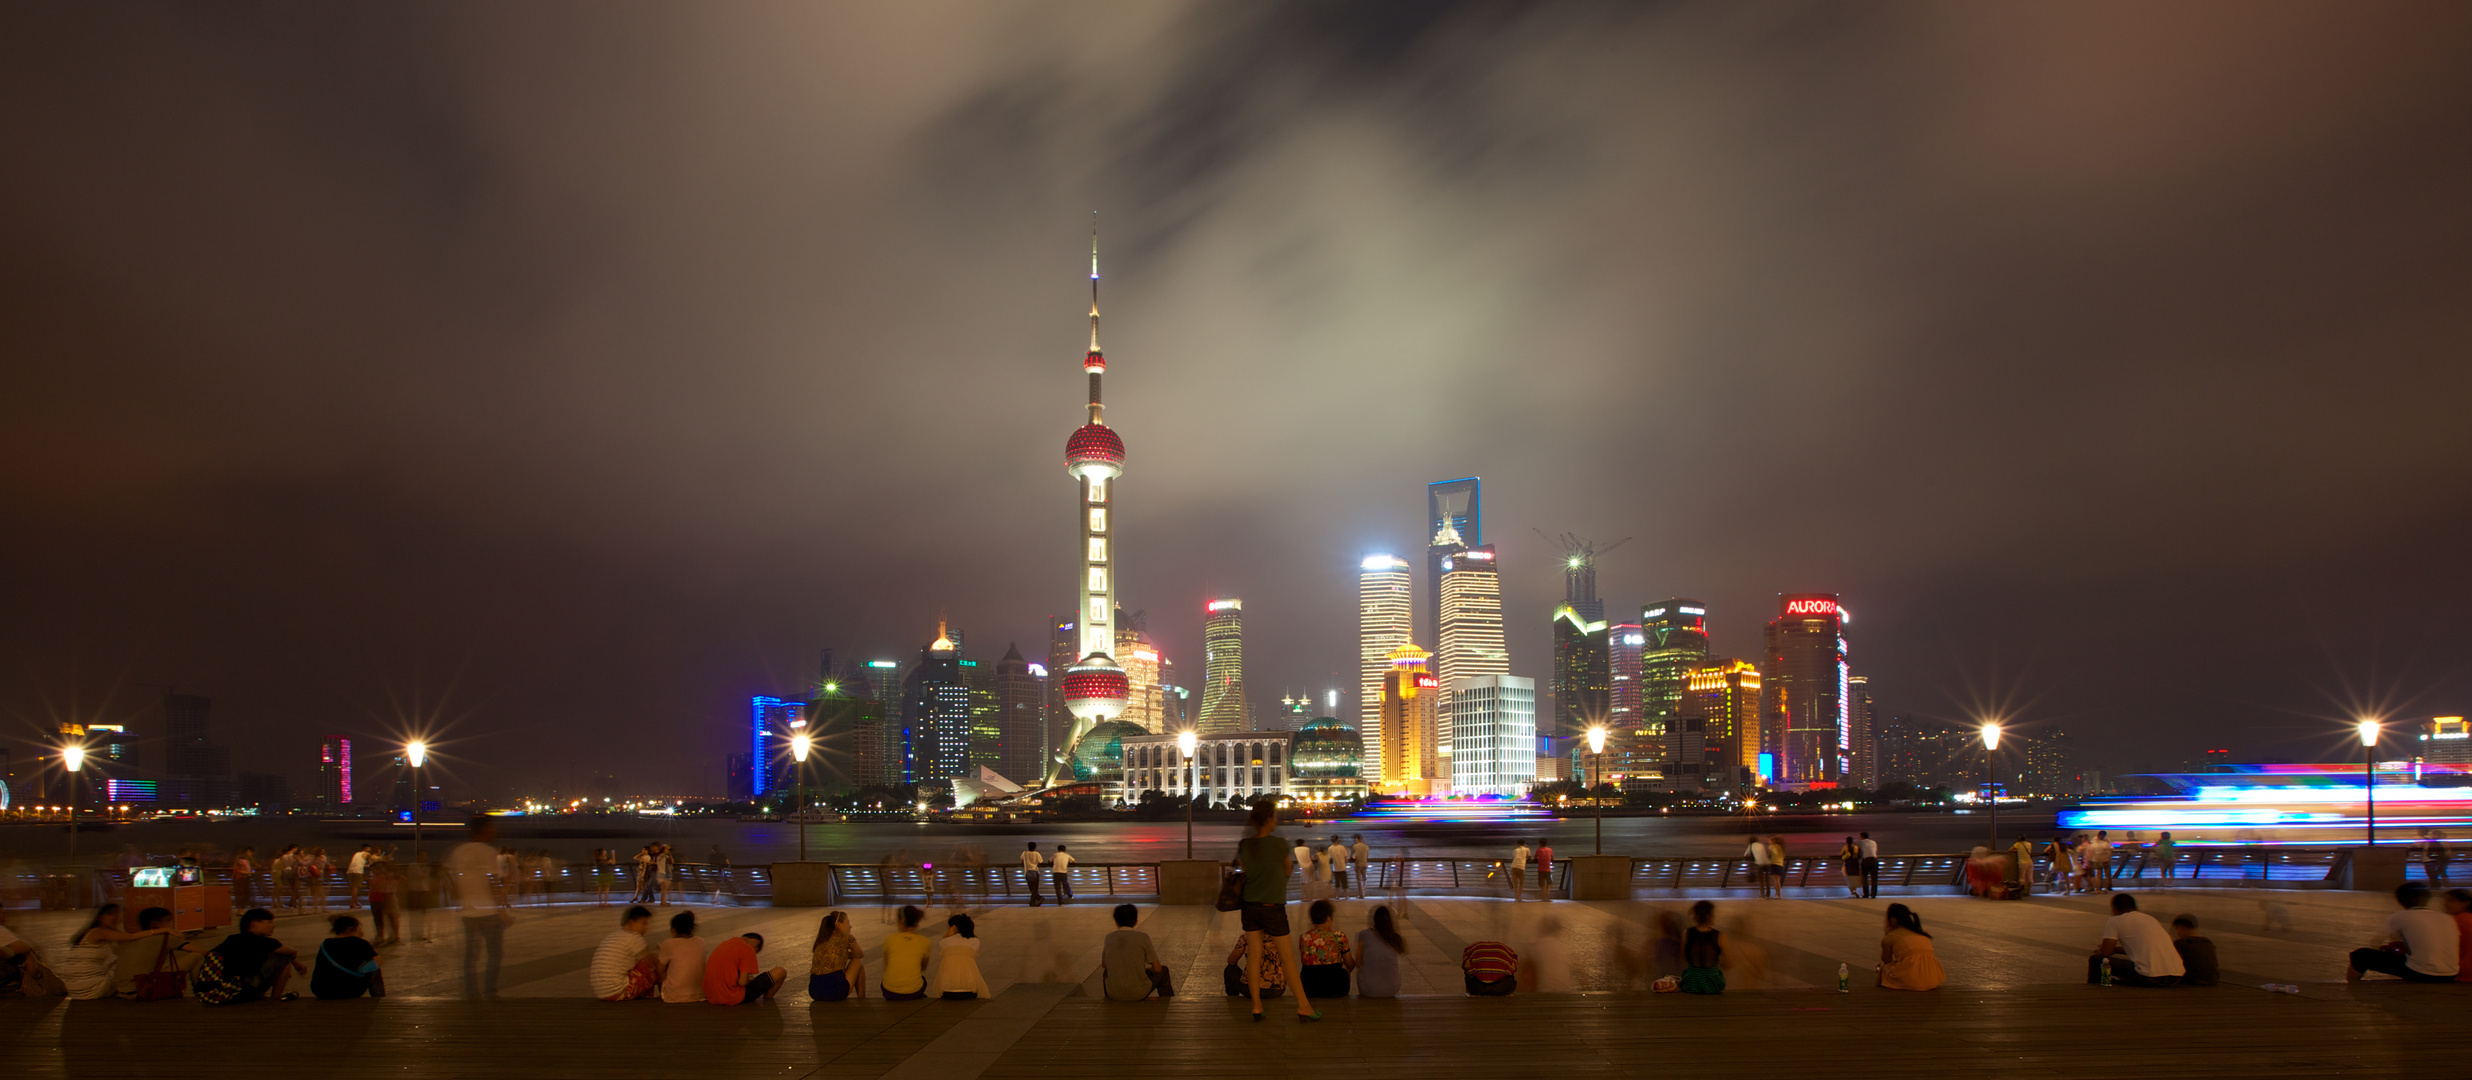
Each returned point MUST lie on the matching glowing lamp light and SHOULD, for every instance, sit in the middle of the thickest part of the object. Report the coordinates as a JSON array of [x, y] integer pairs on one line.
[[799, 744], [2368, 733], [416, 752], [73, 758], [1991, 735], [1186, 741], [1596, 740]]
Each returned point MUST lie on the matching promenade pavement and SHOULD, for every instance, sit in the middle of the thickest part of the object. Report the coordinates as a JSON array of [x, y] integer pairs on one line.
[[2015, 999]]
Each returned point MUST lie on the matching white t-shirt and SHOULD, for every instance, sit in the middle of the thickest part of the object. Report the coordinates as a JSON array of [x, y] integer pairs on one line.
[[1030, 860], [1061, 863], [1519, 857], [682, 970], [1869, 848], [2145, 942], [1304, 857], [2430, 936], [469, 866], [613, 960], [359, 863], [1758, 851], [1338, 855]]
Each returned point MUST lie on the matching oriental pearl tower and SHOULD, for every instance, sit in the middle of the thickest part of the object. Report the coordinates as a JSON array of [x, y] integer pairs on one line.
[[1094, 688]]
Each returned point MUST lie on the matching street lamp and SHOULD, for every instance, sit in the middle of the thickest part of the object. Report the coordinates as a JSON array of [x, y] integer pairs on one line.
[[2369, 773], [416, 752], [799, 745], [1596, 749], [1991, 776], [1186, 741], [73, 758]]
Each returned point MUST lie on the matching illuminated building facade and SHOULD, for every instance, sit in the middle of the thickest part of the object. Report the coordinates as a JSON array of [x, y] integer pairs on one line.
[[986, 726], [1409, 758], [1021, 717], [769, 729], [1063, 648], [1583, 683], [2444, 740], [1862, 751], [1223, 667], [1234, 766], [1094, 688], [1471, 646], [334, 772], [1493, 735], [1714, 744], [1803, 691], [935, 714], [1455, 508], [1383, 600], [1145, 694], [1623, 645], [1326, 762]]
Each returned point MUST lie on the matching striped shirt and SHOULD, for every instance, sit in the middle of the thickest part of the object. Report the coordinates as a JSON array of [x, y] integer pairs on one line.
[[613, 960], [1489, 960]]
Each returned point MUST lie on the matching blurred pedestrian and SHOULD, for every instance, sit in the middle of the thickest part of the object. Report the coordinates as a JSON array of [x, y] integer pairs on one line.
[[1703, 952], [1850, 863], [480, 899]]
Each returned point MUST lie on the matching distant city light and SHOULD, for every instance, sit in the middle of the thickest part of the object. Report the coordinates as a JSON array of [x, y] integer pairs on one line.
[[882, 664]]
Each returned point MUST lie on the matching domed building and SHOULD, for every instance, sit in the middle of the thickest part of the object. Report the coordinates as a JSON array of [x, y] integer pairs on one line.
[[1099, 755], [1326, 762]]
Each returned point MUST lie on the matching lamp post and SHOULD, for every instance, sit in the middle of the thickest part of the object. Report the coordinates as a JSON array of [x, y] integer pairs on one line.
[[73, 758], [416, 752], [1991, 776], [799, 745], [2369, 773], [1596, 750], [1186, 741]]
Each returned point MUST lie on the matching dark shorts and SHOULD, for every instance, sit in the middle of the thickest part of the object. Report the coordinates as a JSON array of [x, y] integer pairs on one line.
[[1270, 919], [961, 995], [1501, 987], [2392, 963], [757, 987], [913, 995], [834, 986], [1324, 980]]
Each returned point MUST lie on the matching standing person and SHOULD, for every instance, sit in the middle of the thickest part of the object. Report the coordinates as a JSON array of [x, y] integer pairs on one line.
[[480, 898], [2020, 868], [1061, 867], [386, 901], [347, 965], [244, 878], [1518, 866], [2063, 867], [1378, 949], [1325, 959], [2103, 857], [604, 874], [836, 967], [1304, 869], [682, 962], [2434, 857], [1129, 967], [318, 870], [356, 877], [1547, 967], [286, 867], [732, 976], [1907, 960], [1263, 914], [254, 965], [1757, 852], [665, 867], [1544, 869], [625, 967], [1703, 952], [1337, 857], [1360, 854], [1776, 865], [2136, 948], [1850, 866], [2165, 856], [643, 875], [905, 959], [1871, 867], [2431, 948], [2198, 965], [957, 968], [1030, 863]]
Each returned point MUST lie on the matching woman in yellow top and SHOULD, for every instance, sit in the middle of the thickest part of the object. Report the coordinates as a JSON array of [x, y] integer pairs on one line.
[[957, 976], [1906, 959], [905, 959]]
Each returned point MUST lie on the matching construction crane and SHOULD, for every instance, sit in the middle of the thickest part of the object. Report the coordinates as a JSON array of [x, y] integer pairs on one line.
[[1579, 556]]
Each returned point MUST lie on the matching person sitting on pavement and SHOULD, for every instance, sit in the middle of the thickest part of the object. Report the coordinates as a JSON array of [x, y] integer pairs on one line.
[[152, 952], [1907, 960], [21, 968], [2135, 948], [623, 965], [2197, 953], [682, 962], [836, 967], [732, 976], [2459, 908], [957, 968], [905, 959], [1490, 968], [1703, 953], [1129, 966], [1322, 954], [347, 965], [2422, 945], [254, 964], [1274, 972]]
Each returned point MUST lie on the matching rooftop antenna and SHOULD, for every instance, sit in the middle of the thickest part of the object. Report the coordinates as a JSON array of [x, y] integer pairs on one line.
[[1579, 556]]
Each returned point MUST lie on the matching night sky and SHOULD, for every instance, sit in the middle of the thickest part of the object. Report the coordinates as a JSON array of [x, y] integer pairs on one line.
[[556, 375]]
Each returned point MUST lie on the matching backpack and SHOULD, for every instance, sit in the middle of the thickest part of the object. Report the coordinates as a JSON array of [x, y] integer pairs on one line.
[[213, 983]]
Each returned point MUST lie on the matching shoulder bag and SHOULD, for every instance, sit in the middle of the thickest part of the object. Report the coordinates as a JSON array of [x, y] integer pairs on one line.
[[165, 982], [1232, 884]]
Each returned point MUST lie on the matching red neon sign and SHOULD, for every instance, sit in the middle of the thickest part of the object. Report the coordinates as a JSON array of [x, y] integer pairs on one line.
[[1810, 606]]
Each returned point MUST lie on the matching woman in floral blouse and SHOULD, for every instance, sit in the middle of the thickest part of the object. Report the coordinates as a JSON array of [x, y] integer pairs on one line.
[[1325, 956]]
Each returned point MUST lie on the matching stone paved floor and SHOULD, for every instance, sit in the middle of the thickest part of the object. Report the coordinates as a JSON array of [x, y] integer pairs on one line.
[[2012, 966]]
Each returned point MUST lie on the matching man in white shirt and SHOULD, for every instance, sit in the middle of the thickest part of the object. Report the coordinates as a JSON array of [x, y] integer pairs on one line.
[[1030, 863], [2137, 948], [1758, 854], [472, 877], [1519, 872], [1360, 854], [355, 874], [622, 967], [1869, 850], [1337, 856], [1062, 866], [1304, 869], [2430, 940]]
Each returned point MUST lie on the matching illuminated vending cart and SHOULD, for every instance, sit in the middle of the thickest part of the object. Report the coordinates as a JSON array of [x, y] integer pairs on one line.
[[193, 906]]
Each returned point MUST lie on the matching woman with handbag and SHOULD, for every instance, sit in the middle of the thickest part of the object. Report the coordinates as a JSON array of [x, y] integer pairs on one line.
[[154, 966], [1263, 909]]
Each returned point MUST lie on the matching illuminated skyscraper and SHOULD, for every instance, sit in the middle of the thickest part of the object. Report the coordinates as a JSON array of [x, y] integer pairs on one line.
[[1094, 688], [1623, 643], [1471, 645], [935, 714], [1862, 755], [1408, 761], [1493, 735], [1583, 681], [1716, 737], [986, 727], [334, 772], [1021, 691], [1803, 690], [1459, 507], [1223, 668], [1382, 621]]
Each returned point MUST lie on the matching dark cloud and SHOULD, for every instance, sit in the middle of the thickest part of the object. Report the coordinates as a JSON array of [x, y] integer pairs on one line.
[[573, 370]]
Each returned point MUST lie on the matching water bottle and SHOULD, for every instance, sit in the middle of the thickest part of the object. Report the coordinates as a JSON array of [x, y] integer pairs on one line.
[[2104, 973], [1844, 980], [2281, 988]]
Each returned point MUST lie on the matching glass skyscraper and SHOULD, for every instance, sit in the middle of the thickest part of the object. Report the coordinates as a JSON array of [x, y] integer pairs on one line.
[[1803, 706], [1223, 667], [1383, 611]]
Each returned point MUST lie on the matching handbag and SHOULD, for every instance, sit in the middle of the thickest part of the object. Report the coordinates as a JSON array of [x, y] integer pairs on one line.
[[1232, 890], [162, 984]]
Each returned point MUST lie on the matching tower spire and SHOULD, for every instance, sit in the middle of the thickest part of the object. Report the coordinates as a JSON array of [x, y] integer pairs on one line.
[[1094, 283]]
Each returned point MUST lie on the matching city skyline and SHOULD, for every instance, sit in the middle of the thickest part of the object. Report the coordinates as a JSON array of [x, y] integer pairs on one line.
[[503, 403]]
